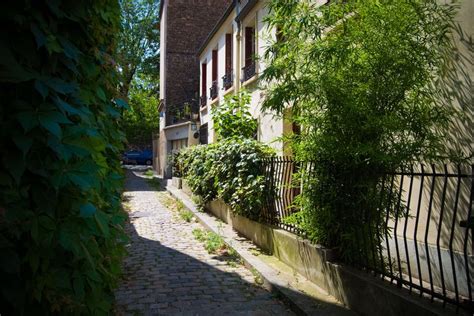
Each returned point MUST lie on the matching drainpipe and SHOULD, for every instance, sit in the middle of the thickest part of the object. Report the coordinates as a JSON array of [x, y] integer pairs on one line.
[[238, 51]]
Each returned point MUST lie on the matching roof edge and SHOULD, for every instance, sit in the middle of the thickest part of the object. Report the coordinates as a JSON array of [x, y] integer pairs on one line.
[[245, 10]]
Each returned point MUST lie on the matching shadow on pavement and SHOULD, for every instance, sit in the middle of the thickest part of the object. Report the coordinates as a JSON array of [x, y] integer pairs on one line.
[[160, 280]]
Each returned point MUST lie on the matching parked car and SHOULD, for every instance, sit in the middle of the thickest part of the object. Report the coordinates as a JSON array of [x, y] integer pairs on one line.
[[138, 157]]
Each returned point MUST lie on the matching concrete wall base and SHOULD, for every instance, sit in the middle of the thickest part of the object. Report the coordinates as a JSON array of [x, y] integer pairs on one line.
[[360, 291]]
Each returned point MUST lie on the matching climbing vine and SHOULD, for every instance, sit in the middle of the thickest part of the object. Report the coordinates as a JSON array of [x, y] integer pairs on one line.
[[61, 237]]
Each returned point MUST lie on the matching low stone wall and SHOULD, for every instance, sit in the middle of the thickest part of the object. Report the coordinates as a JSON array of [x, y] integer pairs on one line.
[[356, 289]]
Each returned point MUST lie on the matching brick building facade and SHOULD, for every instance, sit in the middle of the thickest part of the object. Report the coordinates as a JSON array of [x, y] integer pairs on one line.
[[184, 24]]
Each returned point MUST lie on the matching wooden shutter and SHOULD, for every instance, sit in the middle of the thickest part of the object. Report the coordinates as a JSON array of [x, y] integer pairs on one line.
[[249, 45], [214, 65], [203, 79], [228, 53]]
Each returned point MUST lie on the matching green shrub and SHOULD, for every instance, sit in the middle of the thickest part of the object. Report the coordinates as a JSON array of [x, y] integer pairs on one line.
[[61, 236], [196, 164], [232, 119], [230, 170]]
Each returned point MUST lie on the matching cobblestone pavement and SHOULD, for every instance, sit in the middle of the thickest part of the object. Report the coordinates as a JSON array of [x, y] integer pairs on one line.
[[168, 272]]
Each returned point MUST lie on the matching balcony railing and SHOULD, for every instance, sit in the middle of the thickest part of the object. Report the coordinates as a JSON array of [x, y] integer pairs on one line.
[[185, 112], [248, 71], [227, 80], [203, 100], [214, 90]]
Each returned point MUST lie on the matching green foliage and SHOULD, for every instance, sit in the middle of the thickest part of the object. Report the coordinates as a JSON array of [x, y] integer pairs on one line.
[[361, 78], [186, 215], [230, 170], [213, 243], [142, 119], [232, 119], [149, 173], [138, 44], [61, 236]]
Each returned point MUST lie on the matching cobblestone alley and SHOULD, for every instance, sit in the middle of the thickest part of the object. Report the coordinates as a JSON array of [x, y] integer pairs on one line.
[[168, 272]]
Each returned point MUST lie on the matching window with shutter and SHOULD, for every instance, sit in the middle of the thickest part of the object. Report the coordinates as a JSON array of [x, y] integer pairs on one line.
[[249, 45], [203, 83], [214, 65], [213, 89], [249, 70], [228, 53]]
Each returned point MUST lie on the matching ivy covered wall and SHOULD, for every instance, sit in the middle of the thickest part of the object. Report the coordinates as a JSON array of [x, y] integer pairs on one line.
[[61, 236]]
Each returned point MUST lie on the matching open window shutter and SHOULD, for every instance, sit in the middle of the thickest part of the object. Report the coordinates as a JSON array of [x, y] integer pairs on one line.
[[203, 79], [214, 65], [228, 53], [249, 45]]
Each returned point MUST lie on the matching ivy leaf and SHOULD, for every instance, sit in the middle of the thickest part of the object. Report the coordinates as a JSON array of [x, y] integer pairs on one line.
[[52, 126], [41, 88], [79, 180], [51, 120], [15, 164], [122, 103], [10, 69], [78, 286], [52, 44], [40, 37], [102, 221], [100, 93], [28, 120], [87, 210], [66, 107], [61, 86], [34, 230], [112, 112], [23, 142], [70, 50], [9, 261]]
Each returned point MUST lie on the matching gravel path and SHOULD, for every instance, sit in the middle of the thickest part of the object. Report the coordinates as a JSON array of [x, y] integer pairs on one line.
[[168, 272]]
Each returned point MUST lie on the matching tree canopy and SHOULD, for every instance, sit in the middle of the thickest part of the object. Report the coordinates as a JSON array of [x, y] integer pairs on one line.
[[138, 43], [138, 65]]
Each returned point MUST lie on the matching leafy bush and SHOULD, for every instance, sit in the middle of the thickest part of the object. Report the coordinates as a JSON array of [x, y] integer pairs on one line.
[[232, 119], [230, 170], [196, 164], [361, 77], [61, 237]]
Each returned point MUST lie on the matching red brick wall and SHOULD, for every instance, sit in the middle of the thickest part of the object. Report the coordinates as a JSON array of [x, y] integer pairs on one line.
[[189, 24]]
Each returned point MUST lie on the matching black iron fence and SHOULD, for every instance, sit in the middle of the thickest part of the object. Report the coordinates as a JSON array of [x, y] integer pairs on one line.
[[424, 241]]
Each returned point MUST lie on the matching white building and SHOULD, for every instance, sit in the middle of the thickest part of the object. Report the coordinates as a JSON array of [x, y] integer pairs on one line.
[[230, 61]]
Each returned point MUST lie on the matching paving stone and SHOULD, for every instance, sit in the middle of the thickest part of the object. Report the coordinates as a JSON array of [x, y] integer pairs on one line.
[[168, 272]]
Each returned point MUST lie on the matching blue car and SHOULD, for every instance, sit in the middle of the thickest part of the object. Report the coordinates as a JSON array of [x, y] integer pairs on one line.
[[138, 157]]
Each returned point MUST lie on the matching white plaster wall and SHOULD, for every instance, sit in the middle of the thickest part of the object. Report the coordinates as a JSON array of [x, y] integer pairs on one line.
[[270, 126], [163, 40]]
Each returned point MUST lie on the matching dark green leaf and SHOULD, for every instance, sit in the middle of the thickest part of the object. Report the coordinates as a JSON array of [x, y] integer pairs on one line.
[[23, 142], [87, 210]]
